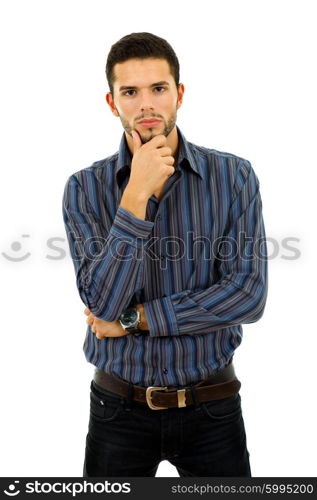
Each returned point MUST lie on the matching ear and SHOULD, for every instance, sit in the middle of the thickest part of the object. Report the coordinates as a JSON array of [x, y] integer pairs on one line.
[[111, 103], [181, 90]]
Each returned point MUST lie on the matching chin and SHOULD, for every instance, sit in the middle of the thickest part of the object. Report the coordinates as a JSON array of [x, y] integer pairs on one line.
[[147, 139]]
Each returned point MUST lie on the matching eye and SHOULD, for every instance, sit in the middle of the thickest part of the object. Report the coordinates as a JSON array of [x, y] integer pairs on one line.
[[130, 90], [127, 93]]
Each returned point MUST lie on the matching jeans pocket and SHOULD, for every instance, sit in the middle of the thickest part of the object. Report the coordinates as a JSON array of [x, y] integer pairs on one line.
[[222, 409], [103, 408]]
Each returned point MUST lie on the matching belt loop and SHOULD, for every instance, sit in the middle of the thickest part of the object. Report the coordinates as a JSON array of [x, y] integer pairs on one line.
[[194, 395]]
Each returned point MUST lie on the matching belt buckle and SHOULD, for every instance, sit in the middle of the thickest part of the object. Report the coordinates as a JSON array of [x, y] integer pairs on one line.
[[180, 398]]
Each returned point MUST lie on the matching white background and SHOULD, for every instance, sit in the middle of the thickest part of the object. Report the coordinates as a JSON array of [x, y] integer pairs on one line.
[[249, 73]]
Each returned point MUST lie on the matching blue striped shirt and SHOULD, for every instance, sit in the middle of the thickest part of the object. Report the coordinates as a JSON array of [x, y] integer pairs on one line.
[[198, 263]]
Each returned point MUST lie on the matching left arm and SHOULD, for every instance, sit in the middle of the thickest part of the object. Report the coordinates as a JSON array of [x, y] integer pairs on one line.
[[240, 294]]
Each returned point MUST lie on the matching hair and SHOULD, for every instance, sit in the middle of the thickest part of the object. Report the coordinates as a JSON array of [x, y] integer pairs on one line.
[[141, 46]]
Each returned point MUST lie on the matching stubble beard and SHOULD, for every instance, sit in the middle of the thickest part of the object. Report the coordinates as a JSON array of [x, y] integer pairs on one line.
[[168, 127]]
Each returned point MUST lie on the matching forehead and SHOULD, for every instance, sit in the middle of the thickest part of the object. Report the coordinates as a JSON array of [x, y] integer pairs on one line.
[[141, 72]]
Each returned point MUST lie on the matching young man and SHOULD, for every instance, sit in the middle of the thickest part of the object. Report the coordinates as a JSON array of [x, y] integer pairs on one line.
[[168, 244]]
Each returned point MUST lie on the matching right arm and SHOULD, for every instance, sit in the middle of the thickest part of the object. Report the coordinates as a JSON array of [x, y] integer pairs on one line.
[[109, 261]]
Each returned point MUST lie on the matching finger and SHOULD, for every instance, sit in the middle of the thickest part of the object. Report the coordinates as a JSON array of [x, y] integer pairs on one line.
[[137, 143], [170, 170], [169, 160], [90, 319], [86, 311], [157, 141], [165, 151]]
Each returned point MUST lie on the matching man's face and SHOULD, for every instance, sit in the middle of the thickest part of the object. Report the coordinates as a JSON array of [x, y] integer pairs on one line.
[[143, 89]]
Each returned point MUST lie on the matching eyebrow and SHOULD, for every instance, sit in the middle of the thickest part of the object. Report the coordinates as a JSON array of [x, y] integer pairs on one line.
[[127, 87]]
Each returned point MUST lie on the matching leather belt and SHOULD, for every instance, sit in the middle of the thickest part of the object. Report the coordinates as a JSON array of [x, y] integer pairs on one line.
[[222, 384]]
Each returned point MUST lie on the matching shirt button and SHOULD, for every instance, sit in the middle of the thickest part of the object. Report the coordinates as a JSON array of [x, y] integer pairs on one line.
[[158, 217], [165, 371]]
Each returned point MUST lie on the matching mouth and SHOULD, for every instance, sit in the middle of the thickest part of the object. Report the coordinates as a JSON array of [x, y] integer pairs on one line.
[[149, 123]]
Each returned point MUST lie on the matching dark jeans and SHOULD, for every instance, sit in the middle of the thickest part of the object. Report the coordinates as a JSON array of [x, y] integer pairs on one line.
[[127, 438]]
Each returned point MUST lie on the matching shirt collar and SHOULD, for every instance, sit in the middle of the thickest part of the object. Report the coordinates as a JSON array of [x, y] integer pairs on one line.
[[185, 156]]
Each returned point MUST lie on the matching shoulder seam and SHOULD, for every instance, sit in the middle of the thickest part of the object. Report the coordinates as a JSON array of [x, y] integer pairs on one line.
[[207, 151]]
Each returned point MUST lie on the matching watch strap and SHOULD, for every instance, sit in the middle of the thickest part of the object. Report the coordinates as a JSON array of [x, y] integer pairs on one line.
[[132, 329]]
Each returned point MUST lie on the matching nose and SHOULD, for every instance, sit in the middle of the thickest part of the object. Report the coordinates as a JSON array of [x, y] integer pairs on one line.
[[146, 103]]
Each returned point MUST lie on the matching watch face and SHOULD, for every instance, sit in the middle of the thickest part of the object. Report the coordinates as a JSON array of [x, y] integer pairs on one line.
[[129, 317]]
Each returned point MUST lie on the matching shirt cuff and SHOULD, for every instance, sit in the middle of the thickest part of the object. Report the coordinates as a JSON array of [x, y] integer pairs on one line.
[[132, 229], [161, 317]]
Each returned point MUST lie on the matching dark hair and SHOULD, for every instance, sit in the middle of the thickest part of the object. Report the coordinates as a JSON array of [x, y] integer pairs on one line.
[[141, 46]]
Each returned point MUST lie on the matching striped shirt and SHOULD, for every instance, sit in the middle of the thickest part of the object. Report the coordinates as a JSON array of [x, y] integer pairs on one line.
[[198, 263]]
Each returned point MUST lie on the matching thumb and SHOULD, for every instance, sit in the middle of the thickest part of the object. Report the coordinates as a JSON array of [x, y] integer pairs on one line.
[[137, 143]]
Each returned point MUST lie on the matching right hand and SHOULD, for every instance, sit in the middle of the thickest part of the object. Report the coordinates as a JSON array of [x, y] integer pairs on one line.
[[152, 164]]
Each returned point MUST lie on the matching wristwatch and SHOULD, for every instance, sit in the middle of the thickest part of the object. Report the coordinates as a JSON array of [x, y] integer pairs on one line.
[[130, 319]]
